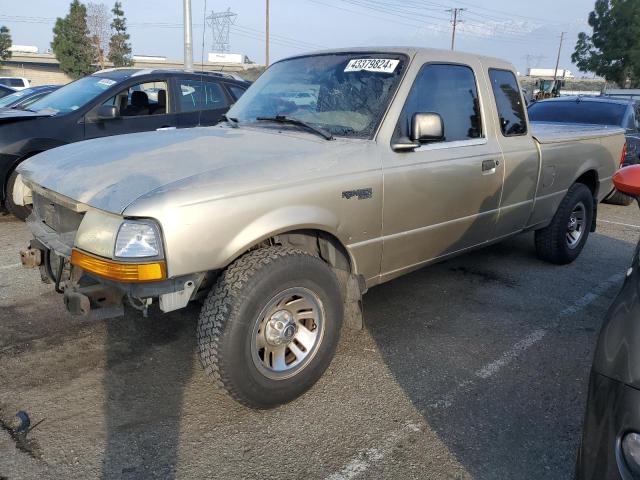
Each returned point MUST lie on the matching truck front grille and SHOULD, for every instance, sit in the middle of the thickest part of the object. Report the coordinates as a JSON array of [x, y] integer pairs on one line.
[[57, 220]]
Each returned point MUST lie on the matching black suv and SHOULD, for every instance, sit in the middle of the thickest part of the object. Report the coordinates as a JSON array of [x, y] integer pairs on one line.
[[111, 102], [619, 112]]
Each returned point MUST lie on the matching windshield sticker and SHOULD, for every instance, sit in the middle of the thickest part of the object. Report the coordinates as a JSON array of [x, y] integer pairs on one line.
[[106, 82], [381, 65]]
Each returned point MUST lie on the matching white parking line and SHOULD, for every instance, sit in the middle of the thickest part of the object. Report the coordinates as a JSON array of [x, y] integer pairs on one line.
[[365, 459], [492, 368], [8, 267], [619, 223]]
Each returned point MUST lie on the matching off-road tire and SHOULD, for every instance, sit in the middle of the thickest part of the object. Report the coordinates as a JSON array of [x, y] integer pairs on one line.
[[17, 211], [551, 242], [619, 198], [233, 306]]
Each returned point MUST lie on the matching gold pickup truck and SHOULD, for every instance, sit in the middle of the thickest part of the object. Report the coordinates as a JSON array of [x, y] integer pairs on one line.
[[336, 171]]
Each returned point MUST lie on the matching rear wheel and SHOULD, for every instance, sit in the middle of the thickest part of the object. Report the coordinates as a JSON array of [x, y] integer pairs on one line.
[[562, 241], [270, 326], [17, 211]]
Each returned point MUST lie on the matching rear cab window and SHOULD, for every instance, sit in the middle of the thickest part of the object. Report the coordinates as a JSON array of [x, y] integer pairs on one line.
[[509, 102], [449, 90], [575, 111], [13, 82]]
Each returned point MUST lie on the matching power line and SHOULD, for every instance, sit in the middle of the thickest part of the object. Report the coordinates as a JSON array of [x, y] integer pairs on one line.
[[455, 14]]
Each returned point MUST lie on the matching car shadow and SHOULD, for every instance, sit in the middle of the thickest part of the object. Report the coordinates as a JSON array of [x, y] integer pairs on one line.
[[524, 422], [149, 362]]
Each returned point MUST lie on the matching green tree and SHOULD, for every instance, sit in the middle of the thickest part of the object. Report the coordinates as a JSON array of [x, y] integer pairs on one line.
[[119, 46], [5, 43], [71, 43], [613, 48]]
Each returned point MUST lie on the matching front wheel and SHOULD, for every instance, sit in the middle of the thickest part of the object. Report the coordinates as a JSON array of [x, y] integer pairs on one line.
[[562, 241], [270, 326]]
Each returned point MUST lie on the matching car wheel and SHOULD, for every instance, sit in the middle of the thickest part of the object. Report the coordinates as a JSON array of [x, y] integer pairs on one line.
[[619, 198], [16, 210], [270, 326], [562, 241]]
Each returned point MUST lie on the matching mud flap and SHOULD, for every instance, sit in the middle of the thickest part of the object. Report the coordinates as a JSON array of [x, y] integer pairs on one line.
[[595, 215], [353, 311]]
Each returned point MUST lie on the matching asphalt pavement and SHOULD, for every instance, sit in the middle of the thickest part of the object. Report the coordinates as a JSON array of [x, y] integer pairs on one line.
[[473, 368]]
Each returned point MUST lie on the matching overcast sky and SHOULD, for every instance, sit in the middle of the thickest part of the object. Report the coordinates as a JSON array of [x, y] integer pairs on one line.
[[511, 29]]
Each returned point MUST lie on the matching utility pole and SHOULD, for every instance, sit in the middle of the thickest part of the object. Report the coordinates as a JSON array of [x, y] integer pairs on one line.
[[188, 44], [555, 73], [266, 62], [455, 14]]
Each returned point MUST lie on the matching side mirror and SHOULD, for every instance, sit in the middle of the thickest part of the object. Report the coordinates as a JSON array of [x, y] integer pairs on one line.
[[107, 112], [627, 180], [426, 127]]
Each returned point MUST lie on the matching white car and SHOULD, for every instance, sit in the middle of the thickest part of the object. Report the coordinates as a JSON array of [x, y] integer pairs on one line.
[[17, 83]]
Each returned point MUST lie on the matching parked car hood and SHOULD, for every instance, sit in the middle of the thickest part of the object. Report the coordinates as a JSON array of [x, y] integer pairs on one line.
[[113, 172], [13, 115]]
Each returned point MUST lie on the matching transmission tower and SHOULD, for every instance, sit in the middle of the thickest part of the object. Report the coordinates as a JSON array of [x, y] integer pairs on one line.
[[220, 23]]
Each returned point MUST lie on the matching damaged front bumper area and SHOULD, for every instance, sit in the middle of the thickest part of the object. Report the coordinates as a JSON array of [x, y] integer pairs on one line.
[[89, 295], [95, 286]]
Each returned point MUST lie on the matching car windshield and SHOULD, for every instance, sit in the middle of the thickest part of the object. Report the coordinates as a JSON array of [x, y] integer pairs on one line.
[[15, 97], [595, 113], [344, 94], [73, 95]]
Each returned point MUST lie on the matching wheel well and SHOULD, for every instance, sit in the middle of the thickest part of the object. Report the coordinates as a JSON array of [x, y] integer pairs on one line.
[[12, 169], [317, 242], [590, 180]]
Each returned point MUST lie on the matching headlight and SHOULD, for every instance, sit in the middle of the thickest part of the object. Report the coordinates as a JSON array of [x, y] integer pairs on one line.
[[137, 240]]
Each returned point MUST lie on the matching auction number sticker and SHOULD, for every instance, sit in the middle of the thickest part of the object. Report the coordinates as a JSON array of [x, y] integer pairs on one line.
[[106, 82], [382, 65]]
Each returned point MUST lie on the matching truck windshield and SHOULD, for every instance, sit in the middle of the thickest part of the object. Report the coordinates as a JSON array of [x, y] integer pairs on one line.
[[344, 94], [594, 113], [73, 95]]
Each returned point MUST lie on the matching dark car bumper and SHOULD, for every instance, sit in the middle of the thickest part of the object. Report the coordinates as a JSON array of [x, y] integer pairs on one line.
[[613, 410]]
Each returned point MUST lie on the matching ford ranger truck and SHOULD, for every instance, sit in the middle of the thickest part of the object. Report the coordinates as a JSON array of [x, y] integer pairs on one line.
[[280, 218]]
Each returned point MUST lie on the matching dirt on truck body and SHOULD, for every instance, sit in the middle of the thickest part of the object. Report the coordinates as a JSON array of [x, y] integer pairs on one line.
[[282, 217]]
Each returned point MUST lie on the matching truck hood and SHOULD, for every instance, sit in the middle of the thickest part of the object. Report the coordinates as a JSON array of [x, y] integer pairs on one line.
[[113, 172]]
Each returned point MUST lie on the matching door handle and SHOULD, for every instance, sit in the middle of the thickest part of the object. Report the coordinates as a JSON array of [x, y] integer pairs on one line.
[[489, 166], [165, 128]]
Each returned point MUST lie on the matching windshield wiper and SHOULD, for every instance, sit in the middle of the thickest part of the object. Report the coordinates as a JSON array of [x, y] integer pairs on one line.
[[233, 122], [300, 123]]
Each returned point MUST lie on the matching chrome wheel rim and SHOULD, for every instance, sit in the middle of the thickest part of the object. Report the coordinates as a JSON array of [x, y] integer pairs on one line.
[[576, 225], [287, 333]]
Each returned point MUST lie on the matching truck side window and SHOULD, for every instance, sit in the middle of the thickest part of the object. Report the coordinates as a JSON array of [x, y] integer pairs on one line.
[[450, 91], [509, 102]]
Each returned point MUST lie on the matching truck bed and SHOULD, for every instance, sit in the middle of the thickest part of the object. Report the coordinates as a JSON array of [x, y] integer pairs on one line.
[[546, 133]]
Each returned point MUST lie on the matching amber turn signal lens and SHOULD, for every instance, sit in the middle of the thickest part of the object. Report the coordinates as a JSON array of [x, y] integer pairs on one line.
[[122, 272]]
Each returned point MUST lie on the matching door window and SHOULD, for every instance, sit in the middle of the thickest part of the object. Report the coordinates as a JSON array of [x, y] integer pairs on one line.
[[235, 91], [509, 102], [149, 98], [201, 95], [451, 92]]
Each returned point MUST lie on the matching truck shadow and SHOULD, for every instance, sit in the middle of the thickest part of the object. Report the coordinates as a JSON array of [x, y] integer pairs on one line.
[[437, 328], [149, 363]]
